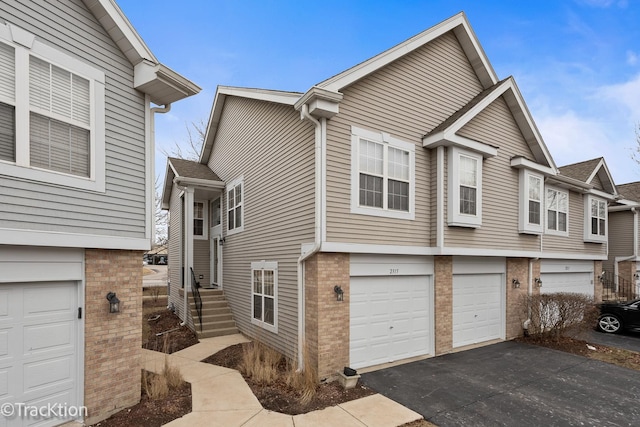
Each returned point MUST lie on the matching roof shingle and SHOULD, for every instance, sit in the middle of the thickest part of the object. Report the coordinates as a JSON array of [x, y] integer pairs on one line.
[[191, 169]]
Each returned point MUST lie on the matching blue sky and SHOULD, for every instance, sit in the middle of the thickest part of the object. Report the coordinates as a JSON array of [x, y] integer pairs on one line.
[[576, 62]]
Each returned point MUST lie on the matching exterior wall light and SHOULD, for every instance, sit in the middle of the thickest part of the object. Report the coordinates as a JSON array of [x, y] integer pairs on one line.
[[538, 282], [114, 302], [339, 293], [515, 283]]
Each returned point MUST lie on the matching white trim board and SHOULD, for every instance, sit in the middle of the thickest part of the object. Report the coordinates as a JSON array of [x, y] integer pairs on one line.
[[19, 237]]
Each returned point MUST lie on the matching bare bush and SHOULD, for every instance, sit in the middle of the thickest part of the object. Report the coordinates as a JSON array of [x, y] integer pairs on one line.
[[260, 362], [155, 386], [558, 314], [304, 380]]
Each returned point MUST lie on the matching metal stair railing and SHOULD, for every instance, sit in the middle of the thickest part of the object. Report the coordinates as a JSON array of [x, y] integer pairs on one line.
[[616, 288], [196, 296]]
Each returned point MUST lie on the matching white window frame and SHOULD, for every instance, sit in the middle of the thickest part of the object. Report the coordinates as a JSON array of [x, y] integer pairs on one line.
[[262, 266], [588, 236], [524, 226], [454, 217], [26, 45], [546, 211], [387, 141], [233, 184], [205, 220]]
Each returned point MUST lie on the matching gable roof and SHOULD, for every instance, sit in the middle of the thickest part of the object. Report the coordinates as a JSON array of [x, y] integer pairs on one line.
[[161, 83], [446, 132], [187, 172], [630, 191], [222, 92], [589, 171], [457, 23]]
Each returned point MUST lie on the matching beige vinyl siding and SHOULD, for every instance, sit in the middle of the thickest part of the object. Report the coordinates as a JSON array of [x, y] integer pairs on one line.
[[597, 183], [175, 251], [406, 99], [121, 210], [574, 243], [273, 150], [201, 261], [500, 184], [620, 237]]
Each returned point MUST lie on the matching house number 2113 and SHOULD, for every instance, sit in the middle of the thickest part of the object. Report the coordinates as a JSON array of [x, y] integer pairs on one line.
[[394, 270]]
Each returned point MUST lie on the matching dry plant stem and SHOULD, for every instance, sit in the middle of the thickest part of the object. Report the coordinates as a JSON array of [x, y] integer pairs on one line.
[[558, 314]]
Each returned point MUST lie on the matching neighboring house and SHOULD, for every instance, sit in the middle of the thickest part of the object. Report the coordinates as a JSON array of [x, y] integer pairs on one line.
[[76, 203], [401, 208], [624, 240]]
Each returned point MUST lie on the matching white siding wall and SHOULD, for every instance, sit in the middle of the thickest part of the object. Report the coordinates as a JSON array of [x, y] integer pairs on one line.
[[70, 27]]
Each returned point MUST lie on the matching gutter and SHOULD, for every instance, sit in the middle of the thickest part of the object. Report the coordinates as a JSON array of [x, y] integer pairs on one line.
[[320, 139]]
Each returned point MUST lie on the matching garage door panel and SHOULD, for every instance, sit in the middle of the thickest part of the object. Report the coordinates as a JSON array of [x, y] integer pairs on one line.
[[477, 308], [47, 373], [579, 282], [47, 338], [396, 316]]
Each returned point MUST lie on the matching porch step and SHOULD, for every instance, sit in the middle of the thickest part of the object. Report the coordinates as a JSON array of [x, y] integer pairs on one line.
[[217, 319]]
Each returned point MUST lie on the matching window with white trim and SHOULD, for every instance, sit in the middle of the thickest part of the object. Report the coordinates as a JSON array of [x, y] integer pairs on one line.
[[235, 206], [199, 220], [531, 202], [51, 116], [383, 182], [264, 291], [595, 229], [557, 206], [465, 188]]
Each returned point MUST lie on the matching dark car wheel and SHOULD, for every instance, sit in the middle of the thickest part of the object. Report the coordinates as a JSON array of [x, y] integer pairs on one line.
[[609, 323]]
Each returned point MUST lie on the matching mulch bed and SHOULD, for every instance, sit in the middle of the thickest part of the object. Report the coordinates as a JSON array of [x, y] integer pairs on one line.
[[174, 337], [153, 413], [279, 396]]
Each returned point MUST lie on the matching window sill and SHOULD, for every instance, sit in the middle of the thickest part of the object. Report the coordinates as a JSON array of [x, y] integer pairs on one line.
[[235, 231], [596, 239], [557, 233], [360, 210], [263, 325], [51, 177], [464, 224]]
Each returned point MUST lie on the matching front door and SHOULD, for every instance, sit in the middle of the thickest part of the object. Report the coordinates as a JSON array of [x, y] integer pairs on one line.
[[215, 251]]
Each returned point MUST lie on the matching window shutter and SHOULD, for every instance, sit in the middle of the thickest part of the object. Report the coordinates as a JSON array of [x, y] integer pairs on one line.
[[7, 94]]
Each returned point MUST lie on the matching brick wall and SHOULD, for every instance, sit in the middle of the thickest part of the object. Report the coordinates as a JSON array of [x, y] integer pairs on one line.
[[443, 294], [327, 320], [517, 268], [597, 284], [112, 341]]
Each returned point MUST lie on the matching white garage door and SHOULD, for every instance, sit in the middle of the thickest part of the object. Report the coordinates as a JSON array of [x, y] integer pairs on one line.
[[390, 319], [566, 276], [477, 308], [567, 282], [38, 346]]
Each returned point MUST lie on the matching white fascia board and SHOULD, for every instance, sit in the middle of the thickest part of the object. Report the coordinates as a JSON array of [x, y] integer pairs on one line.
[[480, 106], [198, 183], [212, 126], [523, 163], [279, 97], [595, 170], [464, 32], [10, 236], [626, 205], [448, 139], [602, 194], [169, 175], [570, 183], [362, 248], [602, 165], [114, 21]]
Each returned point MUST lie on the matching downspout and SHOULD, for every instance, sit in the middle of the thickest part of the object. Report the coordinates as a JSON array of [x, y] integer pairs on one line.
[[152, 168], [320, 136], [440, 198]]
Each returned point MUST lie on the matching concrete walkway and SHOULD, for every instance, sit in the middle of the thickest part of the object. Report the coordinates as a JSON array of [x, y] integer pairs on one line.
[[221, 397]]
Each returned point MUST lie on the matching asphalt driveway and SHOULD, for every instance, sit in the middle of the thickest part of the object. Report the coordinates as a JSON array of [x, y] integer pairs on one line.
[[629, 340], [513, 384]]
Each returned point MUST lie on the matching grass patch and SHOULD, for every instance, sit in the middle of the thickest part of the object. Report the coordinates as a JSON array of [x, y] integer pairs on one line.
[[617, 356]]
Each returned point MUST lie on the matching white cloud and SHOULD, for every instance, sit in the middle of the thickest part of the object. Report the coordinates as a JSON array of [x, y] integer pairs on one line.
[[623, 97], [632, 58]]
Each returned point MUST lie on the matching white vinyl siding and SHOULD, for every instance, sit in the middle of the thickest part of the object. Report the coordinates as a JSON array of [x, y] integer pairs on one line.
[[465, 188], [557, 208], [38, 202], [264, 303], [382, 175]]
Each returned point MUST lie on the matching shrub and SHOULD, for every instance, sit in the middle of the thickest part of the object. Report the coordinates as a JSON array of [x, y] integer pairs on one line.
[[558, 314], [304, 380], [260, 362], [155, 386]]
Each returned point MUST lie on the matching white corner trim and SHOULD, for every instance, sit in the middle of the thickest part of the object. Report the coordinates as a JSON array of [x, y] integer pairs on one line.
[[10, 236]]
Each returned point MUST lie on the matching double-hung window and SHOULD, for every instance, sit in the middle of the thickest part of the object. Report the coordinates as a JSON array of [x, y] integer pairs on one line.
[[531, 202], [465, 188], [235, 203], [51, 114], [264, 291], [595, 220], [383, 182], [199, 220], [557, 206]]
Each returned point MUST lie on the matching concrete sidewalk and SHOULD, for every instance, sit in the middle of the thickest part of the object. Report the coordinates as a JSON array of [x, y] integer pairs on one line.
[[221, 397]]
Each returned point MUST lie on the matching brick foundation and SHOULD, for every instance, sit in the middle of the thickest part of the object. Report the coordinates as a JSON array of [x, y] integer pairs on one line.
[[443, 304], [518, 269], [112, 341], [327, 320], [597, 283]]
